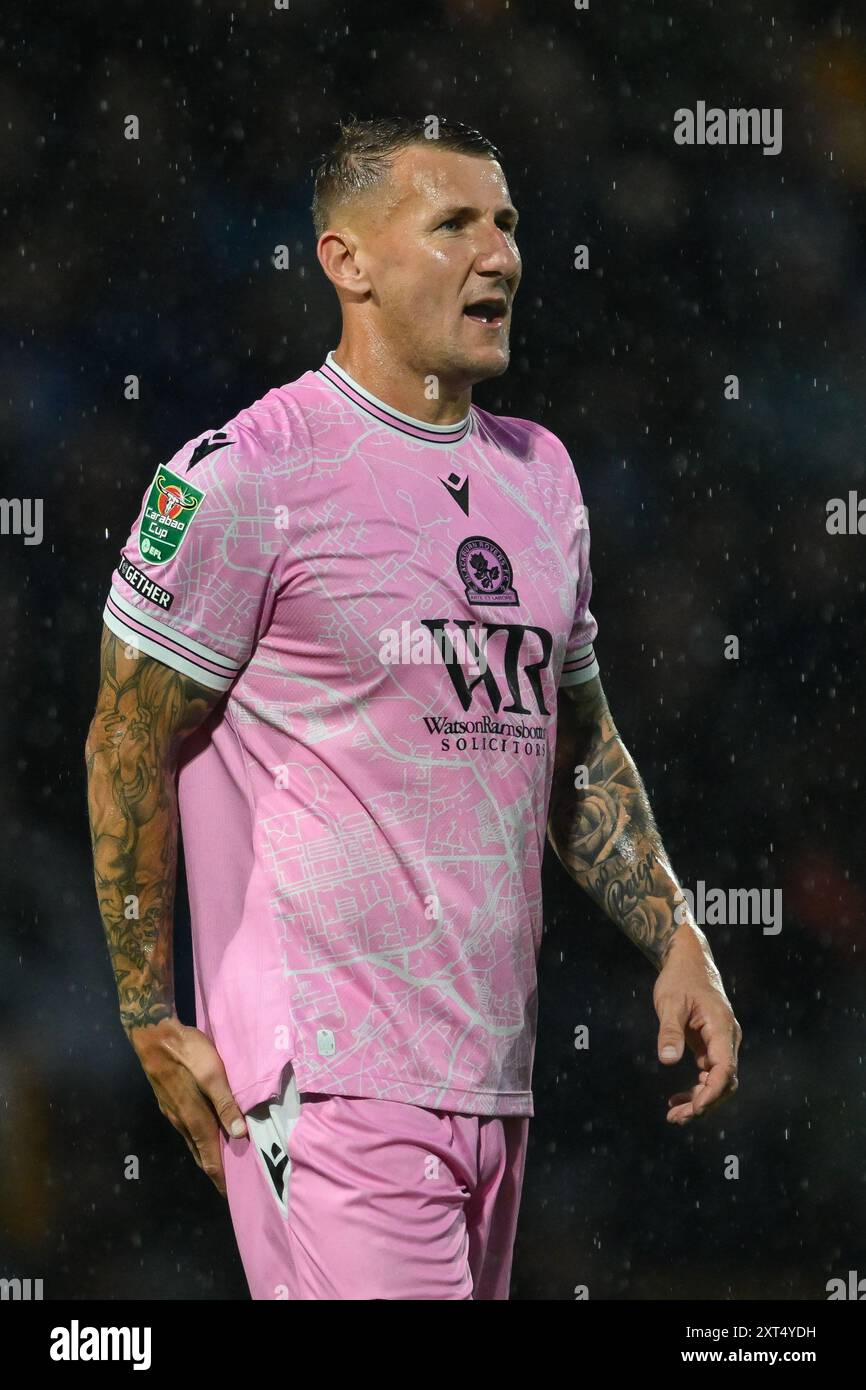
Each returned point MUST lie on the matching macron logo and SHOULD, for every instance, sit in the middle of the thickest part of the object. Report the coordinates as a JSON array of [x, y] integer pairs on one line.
[[459, 489], [77, 1343]]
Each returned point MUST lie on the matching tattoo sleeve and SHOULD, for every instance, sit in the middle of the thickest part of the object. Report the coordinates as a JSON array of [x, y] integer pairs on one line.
[[144, 710], [602, 828]]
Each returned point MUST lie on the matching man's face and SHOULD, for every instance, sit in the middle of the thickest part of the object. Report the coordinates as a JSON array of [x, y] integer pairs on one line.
[[439, 238]]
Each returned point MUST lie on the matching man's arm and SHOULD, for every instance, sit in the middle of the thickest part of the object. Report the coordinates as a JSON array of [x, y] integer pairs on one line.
[[144, 711], [604, 834]]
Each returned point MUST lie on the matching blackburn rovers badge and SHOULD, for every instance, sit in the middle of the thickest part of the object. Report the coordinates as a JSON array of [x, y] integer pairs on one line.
[[486, 572]]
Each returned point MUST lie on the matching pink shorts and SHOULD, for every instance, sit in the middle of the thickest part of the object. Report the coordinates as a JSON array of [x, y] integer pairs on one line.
[[344, 1197]]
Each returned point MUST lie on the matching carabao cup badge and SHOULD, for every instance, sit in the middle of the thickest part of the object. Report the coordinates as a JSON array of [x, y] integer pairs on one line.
[[170, 507], [486, 571]]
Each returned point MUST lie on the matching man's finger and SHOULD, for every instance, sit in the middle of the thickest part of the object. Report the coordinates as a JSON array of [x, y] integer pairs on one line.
[[177, 1123], [207, 1157], [721, 1081], [672, 1016], [713, 1088], [206, 1141], [228, 1111], [212, 1165], [210, 1077], [720, 1042], [193, 1150]]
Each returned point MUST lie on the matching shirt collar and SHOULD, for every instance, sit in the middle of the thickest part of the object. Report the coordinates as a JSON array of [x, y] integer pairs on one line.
[[386, 414]]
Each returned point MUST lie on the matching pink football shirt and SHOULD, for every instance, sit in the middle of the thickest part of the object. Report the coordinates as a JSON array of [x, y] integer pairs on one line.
[[389, 607]]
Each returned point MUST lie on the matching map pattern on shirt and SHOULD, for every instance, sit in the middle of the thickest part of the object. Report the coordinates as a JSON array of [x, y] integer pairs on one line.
[[389, 608]]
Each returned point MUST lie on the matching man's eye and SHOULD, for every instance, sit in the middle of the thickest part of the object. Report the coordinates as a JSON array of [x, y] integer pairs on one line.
[[449, 222]]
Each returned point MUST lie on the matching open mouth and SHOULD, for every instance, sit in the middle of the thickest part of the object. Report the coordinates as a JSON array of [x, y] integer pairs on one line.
[[490, 312]]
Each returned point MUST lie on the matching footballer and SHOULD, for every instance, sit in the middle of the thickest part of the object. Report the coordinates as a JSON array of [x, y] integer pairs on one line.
[[363, 830]]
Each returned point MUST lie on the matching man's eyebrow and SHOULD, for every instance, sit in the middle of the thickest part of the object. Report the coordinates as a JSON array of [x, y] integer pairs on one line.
[[465, 210]]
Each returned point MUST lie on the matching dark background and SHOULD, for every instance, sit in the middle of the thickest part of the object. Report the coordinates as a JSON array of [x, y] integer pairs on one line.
[[707, 517]]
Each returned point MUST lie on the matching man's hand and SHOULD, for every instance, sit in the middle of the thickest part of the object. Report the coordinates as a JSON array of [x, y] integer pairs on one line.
[[191, 1086], [693, 1008]]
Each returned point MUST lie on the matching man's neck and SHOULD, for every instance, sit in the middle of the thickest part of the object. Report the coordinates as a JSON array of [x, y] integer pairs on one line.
[[374, 368]]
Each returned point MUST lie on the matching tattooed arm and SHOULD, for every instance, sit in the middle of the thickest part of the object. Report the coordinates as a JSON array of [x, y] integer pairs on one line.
[[144, 710], [604, 834]]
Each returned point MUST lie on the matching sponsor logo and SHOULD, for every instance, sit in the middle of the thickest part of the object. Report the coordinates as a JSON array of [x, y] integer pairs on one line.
[[486, 734], [275, 1162], [207, 446], [521, 663], [458, 489], [171, 505], [509, 659], [271, 1149]]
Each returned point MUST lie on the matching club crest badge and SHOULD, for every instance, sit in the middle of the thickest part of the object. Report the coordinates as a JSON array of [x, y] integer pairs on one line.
[[486, 572], [171, 505]]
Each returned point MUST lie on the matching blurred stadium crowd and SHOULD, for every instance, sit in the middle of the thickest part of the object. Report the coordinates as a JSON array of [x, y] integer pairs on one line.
[[707, 518]]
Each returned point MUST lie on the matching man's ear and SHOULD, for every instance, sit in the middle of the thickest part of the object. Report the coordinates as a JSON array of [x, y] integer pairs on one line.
[[340, 258]]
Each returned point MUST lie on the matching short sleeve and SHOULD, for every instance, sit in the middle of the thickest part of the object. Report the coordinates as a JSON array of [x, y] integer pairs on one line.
[[580, 662], [196, 580]]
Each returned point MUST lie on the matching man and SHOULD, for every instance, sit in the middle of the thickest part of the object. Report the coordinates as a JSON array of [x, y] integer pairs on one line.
[[350, 624]]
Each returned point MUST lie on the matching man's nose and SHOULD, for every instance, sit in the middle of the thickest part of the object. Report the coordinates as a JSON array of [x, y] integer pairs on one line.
[[498, 253]]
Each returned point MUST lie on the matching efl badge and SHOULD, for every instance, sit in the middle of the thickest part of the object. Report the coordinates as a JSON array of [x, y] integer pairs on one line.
[[170, 507], [485, 570]]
